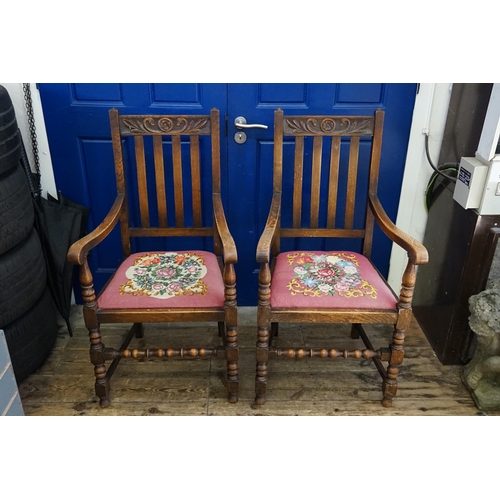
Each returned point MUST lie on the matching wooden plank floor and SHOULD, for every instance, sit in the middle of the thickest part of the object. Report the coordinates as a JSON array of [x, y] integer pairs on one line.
[[64, 385]]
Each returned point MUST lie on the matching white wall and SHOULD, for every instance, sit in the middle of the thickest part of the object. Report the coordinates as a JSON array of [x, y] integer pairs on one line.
[[430, 112], [16, 93]]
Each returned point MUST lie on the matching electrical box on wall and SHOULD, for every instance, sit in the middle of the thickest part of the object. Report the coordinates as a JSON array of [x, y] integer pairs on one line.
[[490, 201], [478, 180], [470, 182]]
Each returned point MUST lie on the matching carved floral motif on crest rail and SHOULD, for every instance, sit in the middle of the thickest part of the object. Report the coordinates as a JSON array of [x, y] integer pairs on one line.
[[329, 125], [165, 125]]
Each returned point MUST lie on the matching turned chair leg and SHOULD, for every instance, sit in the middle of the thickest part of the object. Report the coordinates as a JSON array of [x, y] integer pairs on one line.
[[231, 322], [390, 385], [102, 386], [262, 362], [96, 346], [232, 353], [262, 351]]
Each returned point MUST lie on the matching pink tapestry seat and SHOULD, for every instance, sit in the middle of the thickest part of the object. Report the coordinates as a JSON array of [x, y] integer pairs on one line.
[[164, 280], [343, 280]]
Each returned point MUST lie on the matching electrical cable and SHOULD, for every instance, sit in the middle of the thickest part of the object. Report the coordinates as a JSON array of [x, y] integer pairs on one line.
[[431, 185], [437, 169], [440, 170]]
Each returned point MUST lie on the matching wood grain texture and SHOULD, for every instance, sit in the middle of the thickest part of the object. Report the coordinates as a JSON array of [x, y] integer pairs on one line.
[[230, 254], [63, 386], [178, 187], [161, 195], [107, 359], [272, 224], [196, 180], [416, 251], [215, 132], [315, 181], [350, 129], [333, 180], [297, 181], [171, 231], [79, 250], [137, 125], [328, 125], [351, 182], [141, 180]]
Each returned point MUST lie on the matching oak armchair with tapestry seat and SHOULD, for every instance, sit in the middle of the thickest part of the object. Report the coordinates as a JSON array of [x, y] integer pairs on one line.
[[163, 286], [326, 282]]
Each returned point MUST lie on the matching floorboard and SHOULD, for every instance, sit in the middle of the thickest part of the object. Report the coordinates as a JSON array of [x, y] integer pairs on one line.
[[64, 385]]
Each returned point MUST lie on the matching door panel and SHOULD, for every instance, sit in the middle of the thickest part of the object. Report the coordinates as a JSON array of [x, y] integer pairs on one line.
[[250, 172], [78, 130], [76, 117]]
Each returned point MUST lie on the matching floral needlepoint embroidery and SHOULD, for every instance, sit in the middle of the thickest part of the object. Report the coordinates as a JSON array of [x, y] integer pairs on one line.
[[328, 274], [166, 275]]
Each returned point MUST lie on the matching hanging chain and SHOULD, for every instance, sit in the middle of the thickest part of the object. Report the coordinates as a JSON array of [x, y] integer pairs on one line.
[[31, 123]]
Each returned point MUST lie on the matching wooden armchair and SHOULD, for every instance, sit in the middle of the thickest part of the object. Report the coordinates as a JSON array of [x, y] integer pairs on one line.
[[330, 286], [163, 286]]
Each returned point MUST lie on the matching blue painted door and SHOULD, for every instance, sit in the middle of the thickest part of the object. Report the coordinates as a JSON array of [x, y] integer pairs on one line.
[[76, 117]]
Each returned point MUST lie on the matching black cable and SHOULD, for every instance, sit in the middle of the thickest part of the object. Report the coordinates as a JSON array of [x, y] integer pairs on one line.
[[431, 185], [445, 166]]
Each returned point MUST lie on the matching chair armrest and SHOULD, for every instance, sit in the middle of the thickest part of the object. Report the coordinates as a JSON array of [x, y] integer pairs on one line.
[[417, 253], [228, 245], [266, 238], [79, 250]]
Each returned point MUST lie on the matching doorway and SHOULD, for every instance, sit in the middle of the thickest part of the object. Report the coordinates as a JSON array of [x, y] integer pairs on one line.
[[77, 123]]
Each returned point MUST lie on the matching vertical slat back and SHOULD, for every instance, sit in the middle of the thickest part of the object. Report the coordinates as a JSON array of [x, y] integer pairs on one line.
[[297, 181], [316, 180], [342, 151], [215, 132], [161, 195], [351, 182], [141, 180], [333, 180], [116, 139], [376, 150], [195, 179], [178, 189], [278, 150], [171, 170], [373, 181]]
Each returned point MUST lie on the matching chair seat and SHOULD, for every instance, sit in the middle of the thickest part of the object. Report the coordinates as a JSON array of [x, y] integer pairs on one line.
[[165, 280], [340, 280]]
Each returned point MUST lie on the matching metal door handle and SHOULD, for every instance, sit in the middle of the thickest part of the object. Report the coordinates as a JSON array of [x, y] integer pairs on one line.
[[241, 123]]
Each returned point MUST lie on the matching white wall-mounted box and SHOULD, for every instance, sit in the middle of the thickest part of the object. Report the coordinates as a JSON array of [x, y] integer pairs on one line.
[[471, 178], [490, 135], [490, 202]]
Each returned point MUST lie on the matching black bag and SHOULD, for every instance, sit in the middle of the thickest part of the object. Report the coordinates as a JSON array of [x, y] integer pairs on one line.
[[59, 223]]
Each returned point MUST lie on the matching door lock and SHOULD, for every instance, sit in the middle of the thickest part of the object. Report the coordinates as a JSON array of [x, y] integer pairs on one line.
[[240, 137]]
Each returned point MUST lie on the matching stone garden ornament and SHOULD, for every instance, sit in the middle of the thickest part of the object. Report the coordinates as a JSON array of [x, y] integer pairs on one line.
[[482, 374]]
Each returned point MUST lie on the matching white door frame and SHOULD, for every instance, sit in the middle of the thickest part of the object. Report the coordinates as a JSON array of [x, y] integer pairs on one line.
[[429, 115]]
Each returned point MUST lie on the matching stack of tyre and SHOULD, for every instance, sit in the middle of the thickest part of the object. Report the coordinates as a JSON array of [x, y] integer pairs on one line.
[[27, 312]]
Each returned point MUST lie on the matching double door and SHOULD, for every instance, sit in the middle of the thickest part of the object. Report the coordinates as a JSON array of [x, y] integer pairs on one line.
[[76, 118]]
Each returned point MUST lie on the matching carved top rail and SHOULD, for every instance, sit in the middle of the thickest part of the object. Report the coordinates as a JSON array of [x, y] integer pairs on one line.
[[328, 125], [162, 125]]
